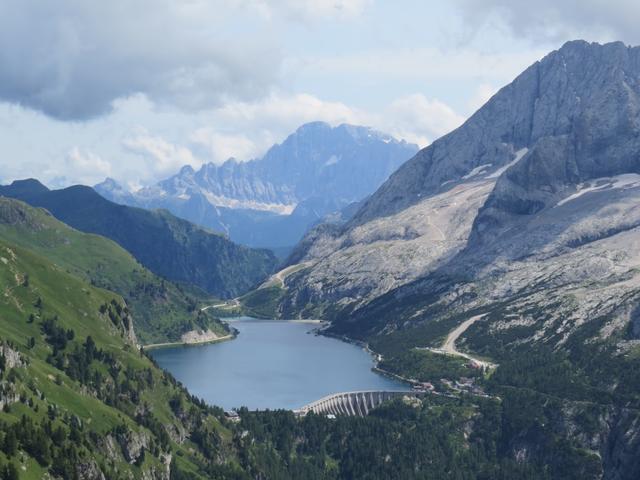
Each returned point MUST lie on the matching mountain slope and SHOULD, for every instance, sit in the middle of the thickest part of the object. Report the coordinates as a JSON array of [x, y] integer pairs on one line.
[[271, 201], [168, 246], [527, 218], [569, 118], [79, 400], [163, 310]]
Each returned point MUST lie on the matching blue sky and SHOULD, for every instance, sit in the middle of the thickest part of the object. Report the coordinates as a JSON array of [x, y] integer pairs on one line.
[[134, 89]]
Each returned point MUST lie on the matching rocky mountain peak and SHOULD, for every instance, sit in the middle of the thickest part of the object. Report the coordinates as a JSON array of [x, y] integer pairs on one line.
[[585, 126], [561, 94]]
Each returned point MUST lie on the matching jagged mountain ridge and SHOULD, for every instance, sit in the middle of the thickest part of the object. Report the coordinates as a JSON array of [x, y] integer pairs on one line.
[[271, 201]]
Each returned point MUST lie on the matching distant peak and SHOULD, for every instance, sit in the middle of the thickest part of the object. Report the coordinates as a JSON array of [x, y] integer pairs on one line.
[[28, 181], [581, 49], [109, 183], [317, 125], [583, 44], [30, 184], [187, 170]]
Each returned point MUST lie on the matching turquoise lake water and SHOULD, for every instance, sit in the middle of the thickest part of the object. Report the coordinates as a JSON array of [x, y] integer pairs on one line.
[[272, 364]]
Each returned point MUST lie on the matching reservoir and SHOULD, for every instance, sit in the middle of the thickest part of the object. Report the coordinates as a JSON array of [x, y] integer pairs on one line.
[[272, 364]]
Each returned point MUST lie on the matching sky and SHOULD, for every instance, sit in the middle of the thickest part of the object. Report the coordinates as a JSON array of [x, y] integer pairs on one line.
[[136, 89]]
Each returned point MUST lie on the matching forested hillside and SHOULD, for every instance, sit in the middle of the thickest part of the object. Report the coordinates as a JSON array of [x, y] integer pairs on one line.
[[163, 310], [168, 246]]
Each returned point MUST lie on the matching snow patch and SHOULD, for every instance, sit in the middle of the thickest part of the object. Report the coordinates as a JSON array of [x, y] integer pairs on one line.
[[519, 154], [332, 161], [219, 201], [627, 180], [477, 171]]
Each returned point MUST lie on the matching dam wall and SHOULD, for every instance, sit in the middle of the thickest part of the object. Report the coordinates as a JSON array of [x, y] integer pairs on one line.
[[352, 403]]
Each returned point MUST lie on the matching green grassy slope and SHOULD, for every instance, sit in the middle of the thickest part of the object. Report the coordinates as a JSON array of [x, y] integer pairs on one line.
[[80, 397], [162, 309], [166, 245]]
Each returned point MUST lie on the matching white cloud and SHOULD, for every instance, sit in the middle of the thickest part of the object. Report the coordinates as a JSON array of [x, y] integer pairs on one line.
[[414, 118], [248, 129], [482, 94], [422, 63], [314, 9], [220, 146], [419, 120], [553, 20], [288, 111], [161, 157], [79, 166]]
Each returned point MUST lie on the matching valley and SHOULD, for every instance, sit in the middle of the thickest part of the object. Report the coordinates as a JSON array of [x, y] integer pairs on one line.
[[469, 310]]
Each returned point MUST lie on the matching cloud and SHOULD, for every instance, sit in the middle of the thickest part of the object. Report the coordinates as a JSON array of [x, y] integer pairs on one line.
[[418, 119], [245, 130], [79, 166], [482, 94], [288, 110], [420, 63], [414, 118], [314, 9], [553, 20], [219, 146], [161, 157], [72, 59]]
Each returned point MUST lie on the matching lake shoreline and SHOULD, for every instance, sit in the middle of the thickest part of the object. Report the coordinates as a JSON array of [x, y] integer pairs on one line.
[[158, 346], [275, 365]]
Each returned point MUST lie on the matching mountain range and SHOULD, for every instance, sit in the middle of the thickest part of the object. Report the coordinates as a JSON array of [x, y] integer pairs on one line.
[[272, 201]]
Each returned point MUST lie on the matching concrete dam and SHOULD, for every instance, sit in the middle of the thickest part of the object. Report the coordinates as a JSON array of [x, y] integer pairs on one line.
[[352, 403]]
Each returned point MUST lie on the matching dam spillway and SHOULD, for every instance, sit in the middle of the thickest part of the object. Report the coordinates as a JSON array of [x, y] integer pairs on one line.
[[353, 403]]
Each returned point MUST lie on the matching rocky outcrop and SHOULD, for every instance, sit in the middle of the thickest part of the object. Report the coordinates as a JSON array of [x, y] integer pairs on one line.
[[345, 163], [352, 267], [89, 471], [199, 336], [12, 358], [133, 444], [129, 332]]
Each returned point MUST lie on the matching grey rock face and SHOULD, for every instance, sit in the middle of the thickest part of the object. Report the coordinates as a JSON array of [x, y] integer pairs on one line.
[[132, 444], [12, 357], [579, 90], [585, 124], [89, 471]]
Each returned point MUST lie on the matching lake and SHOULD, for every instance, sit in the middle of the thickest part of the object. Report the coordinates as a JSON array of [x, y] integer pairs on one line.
[[272, 364]]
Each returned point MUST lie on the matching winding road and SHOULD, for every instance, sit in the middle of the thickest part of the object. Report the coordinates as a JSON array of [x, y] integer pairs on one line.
[[449, 345]]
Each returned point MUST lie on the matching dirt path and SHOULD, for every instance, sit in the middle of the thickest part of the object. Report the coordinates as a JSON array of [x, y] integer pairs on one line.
[[449, 345], [277, 279], [228, 304]]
